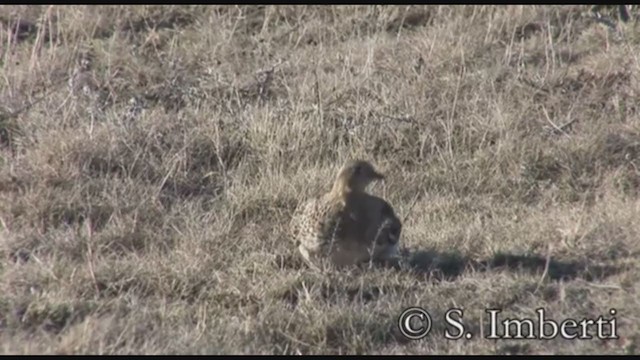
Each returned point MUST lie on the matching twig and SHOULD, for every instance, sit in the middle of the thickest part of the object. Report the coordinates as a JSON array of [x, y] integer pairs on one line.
[[300, 342], [558, 128], [4, 224], [406, 216], [14, 113], [286, 33], [546, 269], [31, 255], [318, 97], [605, 286], [449, 126], [408, 119], [90, 257], [174, 162]]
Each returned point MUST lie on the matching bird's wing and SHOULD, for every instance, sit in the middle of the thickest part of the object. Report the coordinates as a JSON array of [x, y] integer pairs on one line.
[[298, 217], [385, 226], [315, 221]]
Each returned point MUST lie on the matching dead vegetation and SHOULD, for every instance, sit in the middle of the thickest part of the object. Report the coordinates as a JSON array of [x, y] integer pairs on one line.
[[151, 157]]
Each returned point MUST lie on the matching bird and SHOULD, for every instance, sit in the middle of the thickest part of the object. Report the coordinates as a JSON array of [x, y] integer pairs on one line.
[[347, 225]]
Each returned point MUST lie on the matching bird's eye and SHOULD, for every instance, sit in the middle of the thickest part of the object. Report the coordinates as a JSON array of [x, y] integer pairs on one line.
[[358, 170]]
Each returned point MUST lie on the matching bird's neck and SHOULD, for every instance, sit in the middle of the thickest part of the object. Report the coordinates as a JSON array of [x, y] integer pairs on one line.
[[343, 190]]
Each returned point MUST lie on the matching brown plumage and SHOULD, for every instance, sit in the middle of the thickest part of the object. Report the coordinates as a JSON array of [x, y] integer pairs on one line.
[[347, 225]]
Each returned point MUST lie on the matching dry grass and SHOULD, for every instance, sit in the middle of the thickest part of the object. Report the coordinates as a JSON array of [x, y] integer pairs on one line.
[[148, 215]]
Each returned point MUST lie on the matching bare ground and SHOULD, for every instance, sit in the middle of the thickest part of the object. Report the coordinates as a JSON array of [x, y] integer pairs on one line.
[[144, 209]]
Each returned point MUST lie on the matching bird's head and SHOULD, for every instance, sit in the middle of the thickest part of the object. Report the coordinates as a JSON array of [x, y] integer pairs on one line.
[[355, 176]]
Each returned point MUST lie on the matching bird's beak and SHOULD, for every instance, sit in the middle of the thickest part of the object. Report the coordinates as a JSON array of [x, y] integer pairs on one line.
[[379, 176]]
